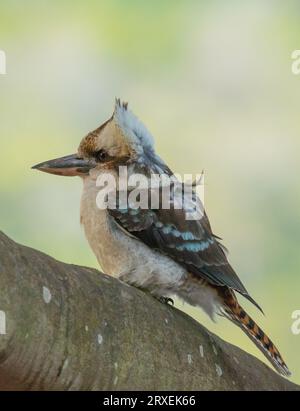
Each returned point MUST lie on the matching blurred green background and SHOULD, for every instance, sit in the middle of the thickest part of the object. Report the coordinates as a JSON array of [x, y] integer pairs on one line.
[[213, 82]]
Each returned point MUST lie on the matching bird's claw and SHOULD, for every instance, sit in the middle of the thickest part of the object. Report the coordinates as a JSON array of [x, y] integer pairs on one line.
[[166, 300]]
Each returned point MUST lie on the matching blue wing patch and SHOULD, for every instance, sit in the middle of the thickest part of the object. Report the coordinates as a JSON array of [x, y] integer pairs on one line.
[[189, 242]]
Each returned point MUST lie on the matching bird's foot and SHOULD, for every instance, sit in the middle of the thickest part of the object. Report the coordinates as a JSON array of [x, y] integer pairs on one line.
[[165, 300]]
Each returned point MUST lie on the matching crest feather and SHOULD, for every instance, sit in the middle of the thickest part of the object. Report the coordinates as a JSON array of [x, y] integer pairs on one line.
[[131, 127]]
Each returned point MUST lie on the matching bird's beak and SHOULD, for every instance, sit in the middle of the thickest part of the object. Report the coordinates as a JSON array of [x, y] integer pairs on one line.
[[69, 166]]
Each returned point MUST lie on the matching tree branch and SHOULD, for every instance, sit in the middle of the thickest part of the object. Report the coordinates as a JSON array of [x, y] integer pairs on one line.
[[72, 328]]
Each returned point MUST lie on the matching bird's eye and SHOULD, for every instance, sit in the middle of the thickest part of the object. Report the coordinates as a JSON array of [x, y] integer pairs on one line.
[[101, 155]]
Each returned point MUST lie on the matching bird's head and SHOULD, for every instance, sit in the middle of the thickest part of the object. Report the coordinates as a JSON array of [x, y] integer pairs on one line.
[[121, 140]]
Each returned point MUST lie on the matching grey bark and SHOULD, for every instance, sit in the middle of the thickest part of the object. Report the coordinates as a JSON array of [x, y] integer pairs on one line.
[[74, 328]]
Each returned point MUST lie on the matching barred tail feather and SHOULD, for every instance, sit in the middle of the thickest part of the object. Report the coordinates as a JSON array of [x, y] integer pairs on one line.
[[235, 313]]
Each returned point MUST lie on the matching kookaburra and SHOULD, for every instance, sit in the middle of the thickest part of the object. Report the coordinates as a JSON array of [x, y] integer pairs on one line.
[[158, 250]]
